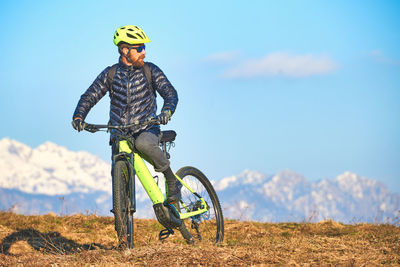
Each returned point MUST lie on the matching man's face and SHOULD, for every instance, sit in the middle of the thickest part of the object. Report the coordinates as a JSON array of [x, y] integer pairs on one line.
[[135, 56]]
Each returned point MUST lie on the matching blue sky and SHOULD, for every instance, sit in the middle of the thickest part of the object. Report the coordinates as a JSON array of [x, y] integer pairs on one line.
[[310, 86]]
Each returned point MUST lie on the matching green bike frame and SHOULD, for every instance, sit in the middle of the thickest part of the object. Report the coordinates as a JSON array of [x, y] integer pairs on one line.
[[151, 187]]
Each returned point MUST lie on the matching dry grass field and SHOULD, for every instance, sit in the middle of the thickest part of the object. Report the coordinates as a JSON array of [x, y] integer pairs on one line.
[[81, 240]]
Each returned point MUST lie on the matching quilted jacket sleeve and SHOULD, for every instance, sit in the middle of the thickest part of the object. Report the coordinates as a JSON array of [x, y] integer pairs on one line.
[[162, 85], [92, 95]]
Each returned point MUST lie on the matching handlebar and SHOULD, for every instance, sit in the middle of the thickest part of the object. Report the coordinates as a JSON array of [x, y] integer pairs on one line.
[[97, 127]]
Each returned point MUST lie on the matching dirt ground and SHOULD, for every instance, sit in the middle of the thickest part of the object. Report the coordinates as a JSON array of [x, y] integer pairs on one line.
[[51, 240]]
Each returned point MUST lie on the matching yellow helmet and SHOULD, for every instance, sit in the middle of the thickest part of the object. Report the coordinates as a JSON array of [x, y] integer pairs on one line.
[[131, 35]]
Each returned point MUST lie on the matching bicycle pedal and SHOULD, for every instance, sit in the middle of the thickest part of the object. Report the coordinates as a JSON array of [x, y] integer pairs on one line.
[[165, 234]]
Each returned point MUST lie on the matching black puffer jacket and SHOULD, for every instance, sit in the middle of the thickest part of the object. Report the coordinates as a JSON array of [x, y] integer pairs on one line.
[[132, 99]]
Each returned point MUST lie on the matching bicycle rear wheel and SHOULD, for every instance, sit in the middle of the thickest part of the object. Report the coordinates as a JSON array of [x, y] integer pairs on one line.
[[122, 205], [209, 226]]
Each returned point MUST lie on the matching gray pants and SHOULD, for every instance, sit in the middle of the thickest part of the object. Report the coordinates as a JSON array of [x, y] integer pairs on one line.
[[147, 143]]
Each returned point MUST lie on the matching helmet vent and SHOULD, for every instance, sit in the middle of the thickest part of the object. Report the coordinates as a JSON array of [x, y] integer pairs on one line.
[[130, 30], [116, 34], [123, 28], [140, 35], [131, 36]]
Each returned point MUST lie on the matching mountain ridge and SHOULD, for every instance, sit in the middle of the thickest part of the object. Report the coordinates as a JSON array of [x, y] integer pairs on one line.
[[79, 181]]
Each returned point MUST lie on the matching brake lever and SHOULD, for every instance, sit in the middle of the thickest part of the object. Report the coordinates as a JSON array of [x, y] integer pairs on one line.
[[91, 128]]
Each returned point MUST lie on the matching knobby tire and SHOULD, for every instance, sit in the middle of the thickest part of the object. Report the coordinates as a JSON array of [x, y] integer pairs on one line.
[[121, 204]]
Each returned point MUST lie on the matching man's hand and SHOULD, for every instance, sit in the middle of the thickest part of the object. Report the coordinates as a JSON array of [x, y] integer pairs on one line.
[[164, 117], [78, 124]]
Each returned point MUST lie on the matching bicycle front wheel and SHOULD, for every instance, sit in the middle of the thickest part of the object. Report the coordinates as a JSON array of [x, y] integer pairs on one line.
[[121, 204], [209, 226]]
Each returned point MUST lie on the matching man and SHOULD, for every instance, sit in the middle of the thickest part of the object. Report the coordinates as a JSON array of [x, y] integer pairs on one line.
[[133, 98]]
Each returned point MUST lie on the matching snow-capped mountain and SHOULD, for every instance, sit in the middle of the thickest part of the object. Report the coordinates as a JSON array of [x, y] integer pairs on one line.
[[51, 169], [52, 178], [288, 196]]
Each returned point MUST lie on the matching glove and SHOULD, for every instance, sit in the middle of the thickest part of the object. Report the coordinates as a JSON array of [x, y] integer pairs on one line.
[[78, 124], [164, 117]]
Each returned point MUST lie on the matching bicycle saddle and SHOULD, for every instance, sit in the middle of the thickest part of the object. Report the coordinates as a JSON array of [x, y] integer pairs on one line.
[[168, 136]]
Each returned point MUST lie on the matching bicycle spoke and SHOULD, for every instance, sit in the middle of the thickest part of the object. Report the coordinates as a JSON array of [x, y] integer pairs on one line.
[[205, 227]]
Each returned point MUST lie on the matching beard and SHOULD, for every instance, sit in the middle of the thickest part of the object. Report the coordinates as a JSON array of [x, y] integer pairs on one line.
[[139, 63]]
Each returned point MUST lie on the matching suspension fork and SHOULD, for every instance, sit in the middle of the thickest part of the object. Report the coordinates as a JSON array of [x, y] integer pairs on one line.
[[125, 153], [131, 184]]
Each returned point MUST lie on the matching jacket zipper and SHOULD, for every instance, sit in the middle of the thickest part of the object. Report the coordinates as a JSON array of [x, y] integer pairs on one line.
[[128, 96]]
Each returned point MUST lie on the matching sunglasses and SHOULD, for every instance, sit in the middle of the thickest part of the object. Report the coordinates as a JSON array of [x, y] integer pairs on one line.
[[139, 49]]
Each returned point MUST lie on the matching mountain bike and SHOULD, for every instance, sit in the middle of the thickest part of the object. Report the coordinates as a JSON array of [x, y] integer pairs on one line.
[[198, 215]]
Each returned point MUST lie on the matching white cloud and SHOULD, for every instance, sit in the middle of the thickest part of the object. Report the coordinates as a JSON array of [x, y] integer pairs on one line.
[[283, 64], [375, 53], [223, 57], [379, 57]]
